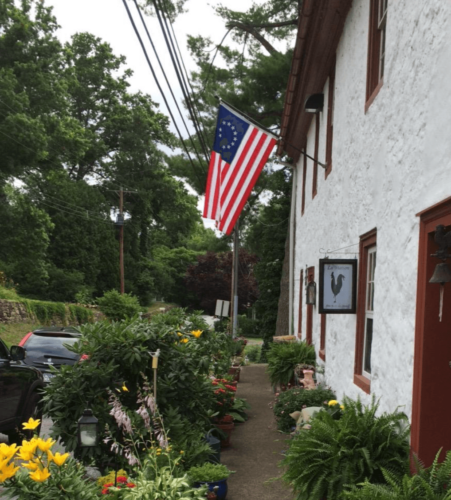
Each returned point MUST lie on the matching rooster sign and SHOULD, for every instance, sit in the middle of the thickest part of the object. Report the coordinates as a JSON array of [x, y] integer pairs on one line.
[[337, 290]]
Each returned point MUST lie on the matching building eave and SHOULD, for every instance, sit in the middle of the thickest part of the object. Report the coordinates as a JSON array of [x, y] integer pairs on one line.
[[320, 27]]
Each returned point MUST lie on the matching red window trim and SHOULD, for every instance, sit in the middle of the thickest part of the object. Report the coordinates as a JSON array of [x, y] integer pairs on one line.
[[373, 81], [315, 163], [304, 178], [330, 123], [301, 288], [309, 325], [367, 241], [322, 341]]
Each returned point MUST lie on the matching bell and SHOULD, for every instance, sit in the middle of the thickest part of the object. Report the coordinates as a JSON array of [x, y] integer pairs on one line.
[[442, 274]]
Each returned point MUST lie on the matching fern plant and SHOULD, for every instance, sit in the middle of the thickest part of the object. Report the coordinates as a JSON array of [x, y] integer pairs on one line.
[[433, 483], [334, 453], [283, 358]]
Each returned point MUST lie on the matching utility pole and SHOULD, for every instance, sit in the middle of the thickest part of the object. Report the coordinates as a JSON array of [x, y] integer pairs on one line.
[[121, 239], [120, 223], [236, 244]]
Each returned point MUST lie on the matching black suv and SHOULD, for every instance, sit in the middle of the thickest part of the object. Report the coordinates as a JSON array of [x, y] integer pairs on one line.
[[20, 391], [46, 347]]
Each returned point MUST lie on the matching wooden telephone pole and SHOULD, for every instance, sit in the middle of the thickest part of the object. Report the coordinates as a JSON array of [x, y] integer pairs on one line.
[[120, 223]]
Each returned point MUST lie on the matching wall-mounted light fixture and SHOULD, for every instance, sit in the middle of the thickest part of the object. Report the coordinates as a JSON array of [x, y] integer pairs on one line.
[[442, 272], [310, 294], [314, 103]]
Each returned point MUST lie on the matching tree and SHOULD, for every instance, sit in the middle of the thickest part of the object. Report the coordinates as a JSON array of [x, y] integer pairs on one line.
[[210, 279]]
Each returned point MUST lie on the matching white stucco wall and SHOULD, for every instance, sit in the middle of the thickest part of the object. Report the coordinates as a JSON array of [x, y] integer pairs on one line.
[[388, 164]]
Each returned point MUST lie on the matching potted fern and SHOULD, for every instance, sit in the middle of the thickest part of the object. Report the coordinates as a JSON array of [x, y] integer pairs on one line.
[[213, 475], [283, 358]]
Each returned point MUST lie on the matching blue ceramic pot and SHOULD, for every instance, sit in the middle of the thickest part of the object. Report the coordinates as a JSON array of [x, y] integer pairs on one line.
[[221, 492]]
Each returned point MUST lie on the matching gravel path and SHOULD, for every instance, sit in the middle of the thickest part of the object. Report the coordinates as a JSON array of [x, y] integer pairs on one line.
[[257, 446]]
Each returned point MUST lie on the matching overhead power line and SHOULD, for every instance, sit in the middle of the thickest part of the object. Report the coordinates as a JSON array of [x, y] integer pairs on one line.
[[181, 78], [159, 88]]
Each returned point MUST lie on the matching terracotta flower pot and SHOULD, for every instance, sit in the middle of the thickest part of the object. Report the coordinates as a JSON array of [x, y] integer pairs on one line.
[[226, 427], [235, 371]]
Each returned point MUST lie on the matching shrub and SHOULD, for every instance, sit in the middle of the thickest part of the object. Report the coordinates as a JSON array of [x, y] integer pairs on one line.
[[283, 358], [253, 353], [118, 306], [80, 314], [222, 325], [294, 400], [433, 482], [249, 327], [334, 453], [119, 353]]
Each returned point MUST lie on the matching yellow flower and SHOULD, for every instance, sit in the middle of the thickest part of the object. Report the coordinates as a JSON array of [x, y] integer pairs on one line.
[[342, 407], [31, 424], [124, 388], [196, 333], [27, 450], [332, 402], [180, 334], [40, 475], [60, 459], [181, 452], [184, 341], [7, 471], [8, 451], [30, 465], [45, 445]]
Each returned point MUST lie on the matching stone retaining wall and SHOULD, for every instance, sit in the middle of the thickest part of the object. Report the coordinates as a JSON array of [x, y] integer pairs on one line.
[[13, 312]]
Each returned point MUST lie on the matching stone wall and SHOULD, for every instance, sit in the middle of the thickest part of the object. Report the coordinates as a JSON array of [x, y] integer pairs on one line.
[[13, 312]]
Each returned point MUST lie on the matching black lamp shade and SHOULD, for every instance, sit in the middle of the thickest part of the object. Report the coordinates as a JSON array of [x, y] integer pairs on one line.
[[314, 103], [88, 430]]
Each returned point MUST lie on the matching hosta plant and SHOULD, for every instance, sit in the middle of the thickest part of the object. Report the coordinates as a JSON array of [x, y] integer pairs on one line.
[[333, 453]]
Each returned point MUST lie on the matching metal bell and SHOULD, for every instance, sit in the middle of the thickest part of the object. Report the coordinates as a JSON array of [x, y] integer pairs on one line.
[[442, 274]]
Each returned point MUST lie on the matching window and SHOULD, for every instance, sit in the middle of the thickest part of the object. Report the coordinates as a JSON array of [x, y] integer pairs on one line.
[[376, 49], [304, 178], [369, 310], [315, 163], [301, 287], [330, 121], [365, 311]]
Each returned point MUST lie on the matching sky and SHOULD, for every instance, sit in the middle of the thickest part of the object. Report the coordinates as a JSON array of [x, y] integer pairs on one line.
[[108, 20]]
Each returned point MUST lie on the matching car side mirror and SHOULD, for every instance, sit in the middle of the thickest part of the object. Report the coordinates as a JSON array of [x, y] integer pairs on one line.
[[17, 353]]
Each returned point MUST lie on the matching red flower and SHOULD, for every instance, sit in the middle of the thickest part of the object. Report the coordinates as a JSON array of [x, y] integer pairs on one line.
[[121, 479]]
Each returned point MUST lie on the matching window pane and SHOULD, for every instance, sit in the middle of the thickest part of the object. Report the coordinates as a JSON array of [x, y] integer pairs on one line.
[[368, 342]]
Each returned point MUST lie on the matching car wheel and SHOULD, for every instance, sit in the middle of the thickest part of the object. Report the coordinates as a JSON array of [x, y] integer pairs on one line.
[[32, 410]]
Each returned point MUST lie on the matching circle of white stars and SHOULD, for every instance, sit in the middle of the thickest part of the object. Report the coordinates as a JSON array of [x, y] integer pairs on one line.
[[234, 136]]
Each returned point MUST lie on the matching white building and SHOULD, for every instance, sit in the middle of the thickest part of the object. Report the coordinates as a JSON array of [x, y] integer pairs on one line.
[[384, 133]]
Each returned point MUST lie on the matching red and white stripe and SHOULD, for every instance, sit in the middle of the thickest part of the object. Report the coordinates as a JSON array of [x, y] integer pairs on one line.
[[211, 207], [239, 177]]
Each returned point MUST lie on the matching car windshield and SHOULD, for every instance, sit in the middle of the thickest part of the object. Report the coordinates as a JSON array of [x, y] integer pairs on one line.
[[50, 346]]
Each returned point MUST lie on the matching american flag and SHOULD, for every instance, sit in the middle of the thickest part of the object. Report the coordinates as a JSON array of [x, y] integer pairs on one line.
[[239, 154]]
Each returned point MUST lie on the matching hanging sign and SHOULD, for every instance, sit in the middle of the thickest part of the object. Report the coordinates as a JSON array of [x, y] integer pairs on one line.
[[337, 286]]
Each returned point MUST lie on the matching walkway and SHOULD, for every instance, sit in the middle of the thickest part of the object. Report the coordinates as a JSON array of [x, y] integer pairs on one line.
[[256, 446]]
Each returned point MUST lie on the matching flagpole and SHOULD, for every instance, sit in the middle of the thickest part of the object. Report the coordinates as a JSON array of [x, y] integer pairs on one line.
[[236, 244]]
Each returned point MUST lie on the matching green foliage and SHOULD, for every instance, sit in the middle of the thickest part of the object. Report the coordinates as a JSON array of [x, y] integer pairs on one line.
[[65, 483], [283, 358], [119, 353], [295, 400], [80, 314], [222, 325], [8, 293], [253, 353], [165, 486], [117, 306], [249, 327], [431, 483], [321, 461], [209, 472], [46, 312], [238, 410]]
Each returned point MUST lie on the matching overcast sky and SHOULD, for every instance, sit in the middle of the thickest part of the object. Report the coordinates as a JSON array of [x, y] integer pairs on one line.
[[108, 20]]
